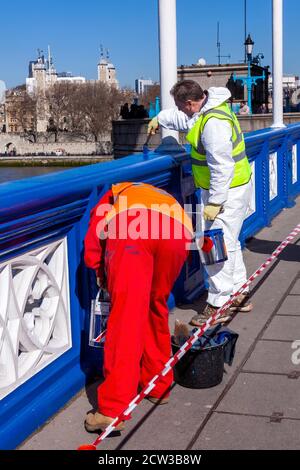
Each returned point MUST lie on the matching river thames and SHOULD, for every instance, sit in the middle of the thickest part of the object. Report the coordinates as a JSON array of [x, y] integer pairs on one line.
[[18, 173]]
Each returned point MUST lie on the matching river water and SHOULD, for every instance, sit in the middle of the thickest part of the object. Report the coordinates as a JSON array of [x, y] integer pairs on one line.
[[18, 173]]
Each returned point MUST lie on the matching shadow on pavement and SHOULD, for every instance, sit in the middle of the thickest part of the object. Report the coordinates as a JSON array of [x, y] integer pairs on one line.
[[290, 253]]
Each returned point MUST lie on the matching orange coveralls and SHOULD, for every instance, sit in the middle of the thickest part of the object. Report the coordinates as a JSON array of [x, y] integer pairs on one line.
[[140, 274]]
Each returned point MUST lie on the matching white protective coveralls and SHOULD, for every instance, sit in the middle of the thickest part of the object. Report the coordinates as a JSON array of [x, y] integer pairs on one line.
[[224, 278]]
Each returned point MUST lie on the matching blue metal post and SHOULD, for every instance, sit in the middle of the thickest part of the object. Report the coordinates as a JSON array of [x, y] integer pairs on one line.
[[157, 105], [249, 81], [152, 111]]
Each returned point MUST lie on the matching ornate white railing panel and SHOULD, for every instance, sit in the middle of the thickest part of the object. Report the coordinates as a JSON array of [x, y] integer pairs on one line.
[[252, 205], [35, 327], [294, 164], [273, 175]]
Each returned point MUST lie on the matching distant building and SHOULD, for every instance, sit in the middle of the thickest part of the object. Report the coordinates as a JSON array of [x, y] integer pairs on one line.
[[289, 82], [37, 76], [2, 91], [18, 115], [291, 92], [30, 68], [2, 118], [78, 80], [2, 107], [69, 77], [107, 71], [42, 75], [142, 86], [222, 76]]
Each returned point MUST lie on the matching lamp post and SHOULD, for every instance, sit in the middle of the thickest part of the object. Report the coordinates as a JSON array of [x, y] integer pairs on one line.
[[249, 43], [249, 80]]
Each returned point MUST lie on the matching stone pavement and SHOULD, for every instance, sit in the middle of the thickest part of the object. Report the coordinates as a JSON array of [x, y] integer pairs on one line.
[[257, 404]]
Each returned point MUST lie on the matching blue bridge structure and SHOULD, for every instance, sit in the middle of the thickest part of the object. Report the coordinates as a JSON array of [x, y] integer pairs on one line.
[[46, 291]]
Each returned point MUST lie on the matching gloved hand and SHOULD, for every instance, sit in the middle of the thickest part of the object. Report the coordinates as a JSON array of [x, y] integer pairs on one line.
[[211, 211], [101, 280], [153, 126]]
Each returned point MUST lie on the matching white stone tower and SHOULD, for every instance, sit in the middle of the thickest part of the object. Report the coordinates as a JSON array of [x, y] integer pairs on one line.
[[106, 70]]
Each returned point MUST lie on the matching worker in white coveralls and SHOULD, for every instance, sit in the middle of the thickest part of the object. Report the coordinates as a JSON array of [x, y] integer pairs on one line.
[[222, 170]]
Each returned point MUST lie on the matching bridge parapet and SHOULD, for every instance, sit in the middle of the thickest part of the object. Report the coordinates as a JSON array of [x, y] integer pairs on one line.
[[45, 290]]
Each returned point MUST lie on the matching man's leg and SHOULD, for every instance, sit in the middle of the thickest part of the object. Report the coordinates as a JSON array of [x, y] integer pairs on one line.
[[169, 258], [129, 272], [221, 278], [242, 302], [239, 272]]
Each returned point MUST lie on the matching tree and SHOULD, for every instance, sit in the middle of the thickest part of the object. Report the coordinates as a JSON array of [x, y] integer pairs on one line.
[[74, 119], [83, 109], [21, 109], [101, 105], [58, 97], [149, 96]]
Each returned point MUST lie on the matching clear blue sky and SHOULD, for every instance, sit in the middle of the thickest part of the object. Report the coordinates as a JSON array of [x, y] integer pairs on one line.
[[129, 29]]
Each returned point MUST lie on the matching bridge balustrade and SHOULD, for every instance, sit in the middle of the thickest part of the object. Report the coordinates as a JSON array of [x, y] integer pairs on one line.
[[45, 290]]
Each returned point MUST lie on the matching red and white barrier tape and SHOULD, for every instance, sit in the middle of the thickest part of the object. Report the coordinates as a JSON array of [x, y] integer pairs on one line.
[[100, 337], [189, 343]]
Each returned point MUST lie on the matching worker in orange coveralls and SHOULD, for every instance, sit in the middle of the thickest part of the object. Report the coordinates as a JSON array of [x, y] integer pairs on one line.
[[137, 241]]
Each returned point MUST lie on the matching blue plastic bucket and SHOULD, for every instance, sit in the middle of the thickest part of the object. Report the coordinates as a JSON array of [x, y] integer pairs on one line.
[[214, 249]]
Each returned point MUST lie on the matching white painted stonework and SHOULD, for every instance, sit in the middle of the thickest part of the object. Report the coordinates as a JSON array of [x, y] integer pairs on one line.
[[35, 327], [273, 175], [252, 204], [294, 165]]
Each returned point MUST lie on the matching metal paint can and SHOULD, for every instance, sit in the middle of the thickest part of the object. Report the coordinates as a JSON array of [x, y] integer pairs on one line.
[[100, 310], [213, 250]]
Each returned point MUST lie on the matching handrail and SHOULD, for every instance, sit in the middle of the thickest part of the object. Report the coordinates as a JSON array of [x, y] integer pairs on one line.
[[25, 195]]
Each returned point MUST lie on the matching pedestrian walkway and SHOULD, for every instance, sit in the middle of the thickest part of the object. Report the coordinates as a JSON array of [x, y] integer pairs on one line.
[[257, 404]]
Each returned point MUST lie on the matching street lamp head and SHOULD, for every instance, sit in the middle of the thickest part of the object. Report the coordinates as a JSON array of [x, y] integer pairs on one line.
[[249, 43]]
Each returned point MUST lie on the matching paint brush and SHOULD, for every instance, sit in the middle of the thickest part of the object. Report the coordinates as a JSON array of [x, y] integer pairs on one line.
[[145, 146], [181, 332]]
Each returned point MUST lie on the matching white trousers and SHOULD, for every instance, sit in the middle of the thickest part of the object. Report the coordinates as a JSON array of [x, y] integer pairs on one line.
[[226, 278]]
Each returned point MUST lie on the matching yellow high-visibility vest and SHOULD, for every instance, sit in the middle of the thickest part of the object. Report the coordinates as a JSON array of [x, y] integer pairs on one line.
[[201, 173]]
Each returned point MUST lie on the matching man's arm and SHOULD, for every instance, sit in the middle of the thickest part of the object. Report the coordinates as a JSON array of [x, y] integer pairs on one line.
[[173, 119], [217, 141], [94, 247], [244, 110]]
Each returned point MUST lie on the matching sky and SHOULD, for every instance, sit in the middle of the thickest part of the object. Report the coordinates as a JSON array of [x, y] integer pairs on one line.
[[75, 29]]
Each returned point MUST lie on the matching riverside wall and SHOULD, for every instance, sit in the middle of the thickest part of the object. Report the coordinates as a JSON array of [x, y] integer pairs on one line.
[[45, 144]]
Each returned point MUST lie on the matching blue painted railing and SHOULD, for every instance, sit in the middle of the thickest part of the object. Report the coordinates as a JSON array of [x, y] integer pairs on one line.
[[260, 145], [38, 211]]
